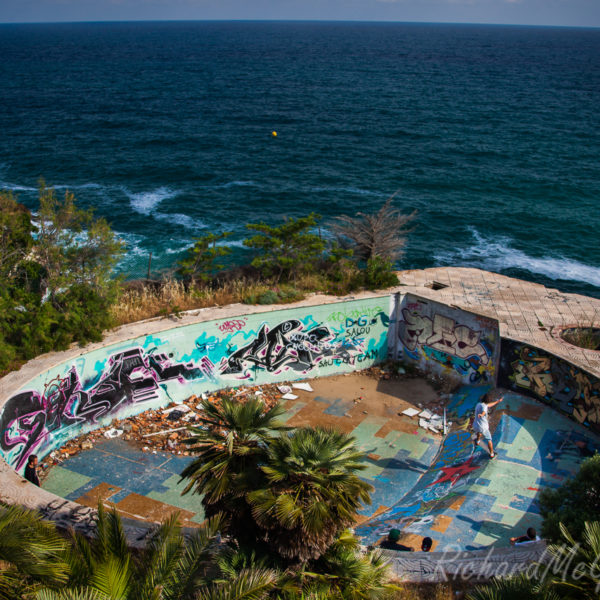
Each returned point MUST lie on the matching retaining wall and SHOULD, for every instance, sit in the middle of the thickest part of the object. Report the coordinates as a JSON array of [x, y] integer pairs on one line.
[[149, 371]]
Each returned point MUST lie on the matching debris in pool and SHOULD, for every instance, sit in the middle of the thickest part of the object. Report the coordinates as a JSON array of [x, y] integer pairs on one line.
[[113, 433], [410, 412], [303, 386]]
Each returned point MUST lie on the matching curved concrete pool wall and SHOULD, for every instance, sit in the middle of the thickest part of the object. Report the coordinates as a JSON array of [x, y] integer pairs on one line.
[[153, 370]]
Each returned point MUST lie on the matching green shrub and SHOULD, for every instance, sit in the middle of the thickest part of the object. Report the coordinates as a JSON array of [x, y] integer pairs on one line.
[[573, 503], [379, 274]]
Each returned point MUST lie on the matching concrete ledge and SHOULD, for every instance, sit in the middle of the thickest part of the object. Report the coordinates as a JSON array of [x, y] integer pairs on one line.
[[476, 565]]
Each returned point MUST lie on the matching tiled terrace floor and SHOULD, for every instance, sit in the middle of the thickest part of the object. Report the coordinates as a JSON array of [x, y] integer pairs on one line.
[[520, 307]]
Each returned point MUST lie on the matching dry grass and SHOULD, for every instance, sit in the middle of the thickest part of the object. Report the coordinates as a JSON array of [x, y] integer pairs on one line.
[[145, 300], [172, 296]]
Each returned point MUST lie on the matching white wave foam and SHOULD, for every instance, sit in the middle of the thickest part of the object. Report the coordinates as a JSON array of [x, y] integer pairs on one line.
[[146, 202], [181, 219], [81, 186], [347, 190], [15, 187], [232, 244], [496, 254]]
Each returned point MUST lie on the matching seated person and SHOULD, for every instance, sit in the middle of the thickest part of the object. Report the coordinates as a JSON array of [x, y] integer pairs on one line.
[[392, 542], [525, 539], [426, 544]]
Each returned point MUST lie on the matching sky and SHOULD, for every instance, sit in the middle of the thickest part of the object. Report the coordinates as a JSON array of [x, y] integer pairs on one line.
[[573, 13]]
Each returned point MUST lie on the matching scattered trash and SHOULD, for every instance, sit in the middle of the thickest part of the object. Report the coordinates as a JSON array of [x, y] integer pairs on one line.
[[284, 389], [303, 386], [175, 415], [289, 396], [410, 412], [425, 414], [163, 432], [113, 433]]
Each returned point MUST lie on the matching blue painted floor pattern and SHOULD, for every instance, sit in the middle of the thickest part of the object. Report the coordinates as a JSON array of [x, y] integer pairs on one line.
[[451, 492]]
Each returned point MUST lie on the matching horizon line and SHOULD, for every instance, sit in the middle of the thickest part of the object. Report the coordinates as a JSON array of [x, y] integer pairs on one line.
[[266, 20]]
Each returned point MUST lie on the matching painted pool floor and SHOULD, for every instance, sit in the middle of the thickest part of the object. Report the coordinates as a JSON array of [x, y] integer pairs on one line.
[[145, 485], [454, 494]]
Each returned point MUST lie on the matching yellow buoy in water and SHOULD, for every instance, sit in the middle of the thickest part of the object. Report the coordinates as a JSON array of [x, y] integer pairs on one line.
[[274, 133]]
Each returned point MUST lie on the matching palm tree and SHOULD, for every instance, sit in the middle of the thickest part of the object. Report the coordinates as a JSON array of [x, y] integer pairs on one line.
[[350, 575], [510, 588], [583, 581], [31, 551], [312, 492], [168, 568], [229, 448], [571, 572]]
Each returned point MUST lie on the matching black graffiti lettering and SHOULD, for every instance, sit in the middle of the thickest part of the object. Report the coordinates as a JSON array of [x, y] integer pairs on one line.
[[357, 331], [284, 345]]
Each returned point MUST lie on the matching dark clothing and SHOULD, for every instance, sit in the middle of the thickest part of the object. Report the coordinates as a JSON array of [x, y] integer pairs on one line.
[[31, 475], [387, 545]]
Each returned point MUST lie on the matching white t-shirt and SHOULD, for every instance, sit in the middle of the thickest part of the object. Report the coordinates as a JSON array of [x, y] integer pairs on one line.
[[481, 423]]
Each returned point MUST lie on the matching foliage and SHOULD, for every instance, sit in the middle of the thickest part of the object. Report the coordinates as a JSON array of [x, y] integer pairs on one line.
[[582, 579], [283, 294], [169, 567], [16, 238], [570, 572], [200, 262], [55, 281], [379, 273], [73, 247], [510, 588], [287, 249], [294, 492], [31, 550], [583, 337], [311, 493], [380, 234], [572, 504], [229, 449]]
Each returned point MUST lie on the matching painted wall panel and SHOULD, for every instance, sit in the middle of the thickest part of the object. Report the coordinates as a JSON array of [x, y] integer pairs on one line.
[[570, 389], [151, 371], [442, 339]]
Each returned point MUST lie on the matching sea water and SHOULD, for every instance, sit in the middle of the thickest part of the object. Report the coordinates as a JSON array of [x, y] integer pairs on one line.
[[490, 132]]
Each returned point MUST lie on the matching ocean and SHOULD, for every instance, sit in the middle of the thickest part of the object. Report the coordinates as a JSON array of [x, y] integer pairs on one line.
[[492, 133]]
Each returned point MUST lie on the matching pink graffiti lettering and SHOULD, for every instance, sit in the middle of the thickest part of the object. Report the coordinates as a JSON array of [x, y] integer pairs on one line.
[[231, 326]]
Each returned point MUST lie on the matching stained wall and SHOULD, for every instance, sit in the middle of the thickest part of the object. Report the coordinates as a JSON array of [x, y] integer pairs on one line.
[[153, 370]]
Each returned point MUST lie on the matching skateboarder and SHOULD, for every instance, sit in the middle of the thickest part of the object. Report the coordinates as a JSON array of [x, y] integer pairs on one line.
[[481, 427]]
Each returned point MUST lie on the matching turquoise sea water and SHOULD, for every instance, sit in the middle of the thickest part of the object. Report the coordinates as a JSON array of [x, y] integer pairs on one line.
[[490, 132]]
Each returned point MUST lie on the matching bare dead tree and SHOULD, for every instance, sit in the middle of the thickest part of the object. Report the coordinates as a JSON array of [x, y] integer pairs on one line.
[[378, 234]]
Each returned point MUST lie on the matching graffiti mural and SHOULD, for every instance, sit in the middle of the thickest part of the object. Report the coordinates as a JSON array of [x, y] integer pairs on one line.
[[151, 371], [434, 334], [528, 369], [131, 377]]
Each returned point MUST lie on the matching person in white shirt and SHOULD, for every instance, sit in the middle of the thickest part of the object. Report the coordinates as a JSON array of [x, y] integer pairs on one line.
[[522, 540], [481, 426]]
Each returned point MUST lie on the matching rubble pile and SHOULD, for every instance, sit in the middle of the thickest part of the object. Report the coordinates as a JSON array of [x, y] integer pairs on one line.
[[162, 429]]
